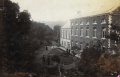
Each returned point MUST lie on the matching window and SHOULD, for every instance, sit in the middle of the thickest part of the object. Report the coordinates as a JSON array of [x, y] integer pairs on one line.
[[87, 22], [72, 30], [68, 45], [62, 34], [94, 32], [94, 22], [87, 45], [81, 32], [76, 31], [80, 46], [64, 43], [76, 23], [81, 23], [115, 43], [87, 31], [76, 43], [66, 34], [103, 21], [72, 42], [69, 35], [103, 32]]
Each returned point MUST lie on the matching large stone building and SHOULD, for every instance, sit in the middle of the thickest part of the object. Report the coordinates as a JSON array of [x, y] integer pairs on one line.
[[87, 29], [65, 38]]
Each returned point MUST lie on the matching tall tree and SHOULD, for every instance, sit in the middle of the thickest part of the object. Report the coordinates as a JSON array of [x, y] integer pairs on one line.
[[43, 33], [57, 33], [9, 21], [16, 47]]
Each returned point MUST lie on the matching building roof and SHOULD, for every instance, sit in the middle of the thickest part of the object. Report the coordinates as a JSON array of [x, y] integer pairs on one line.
[[67, 25], [94, 13]]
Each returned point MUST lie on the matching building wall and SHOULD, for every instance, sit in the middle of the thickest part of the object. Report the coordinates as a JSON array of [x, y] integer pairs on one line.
[[98, 22], [65, 39], [115, 17]]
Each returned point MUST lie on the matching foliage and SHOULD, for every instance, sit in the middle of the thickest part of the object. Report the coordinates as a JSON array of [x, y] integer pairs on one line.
[[109, 65], [20, 38], [53, 70], [55, 58], [42, 33], [89, 59], [94, 61], [57, 33], [75, 48], [72, 73], [8, 33]]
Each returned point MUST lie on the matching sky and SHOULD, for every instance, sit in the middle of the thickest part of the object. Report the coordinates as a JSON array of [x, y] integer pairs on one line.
[[62, 10]]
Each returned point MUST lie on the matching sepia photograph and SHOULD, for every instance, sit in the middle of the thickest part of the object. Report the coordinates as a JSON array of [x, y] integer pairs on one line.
[[59, 38]]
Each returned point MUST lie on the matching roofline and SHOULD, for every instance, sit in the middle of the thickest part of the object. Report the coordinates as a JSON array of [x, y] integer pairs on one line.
[[89, 16]]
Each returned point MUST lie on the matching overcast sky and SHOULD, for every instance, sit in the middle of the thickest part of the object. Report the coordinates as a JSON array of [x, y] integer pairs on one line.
[[54, 10]]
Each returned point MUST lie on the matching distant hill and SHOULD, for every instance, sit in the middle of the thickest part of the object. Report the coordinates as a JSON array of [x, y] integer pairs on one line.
[[53, 23]]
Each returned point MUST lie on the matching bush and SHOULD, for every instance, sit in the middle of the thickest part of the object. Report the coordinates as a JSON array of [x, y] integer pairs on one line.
[[75, 48], [55, 58]]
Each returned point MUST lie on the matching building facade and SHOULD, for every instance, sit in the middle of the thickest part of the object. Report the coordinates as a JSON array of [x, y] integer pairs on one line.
[[65, 36], [88, 30]]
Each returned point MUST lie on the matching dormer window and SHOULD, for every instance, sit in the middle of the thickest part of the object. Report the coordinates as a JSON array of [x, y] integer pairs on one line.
[[103, 21], [94, 22]]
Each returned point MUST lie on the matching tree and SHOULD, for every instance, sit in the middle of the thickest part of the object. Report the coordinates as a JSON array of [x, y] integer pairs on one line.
[[89, 59], [20, 38], [57, 33], [43, 33], [16, 46], [8, 28]]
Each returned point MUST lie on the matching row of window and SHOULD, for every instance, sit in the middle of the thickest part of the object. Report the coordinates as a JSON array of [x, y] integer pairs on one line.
[[80, 45], [103, 21], [65, 34], [87, 32], [65, 43]]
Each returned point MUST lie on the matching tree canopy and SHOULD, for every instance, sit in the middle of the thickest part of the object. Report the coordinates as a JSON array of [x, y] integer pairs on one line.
[[20, 38]]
